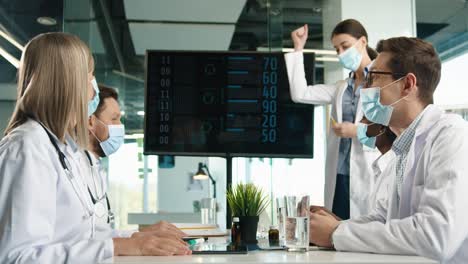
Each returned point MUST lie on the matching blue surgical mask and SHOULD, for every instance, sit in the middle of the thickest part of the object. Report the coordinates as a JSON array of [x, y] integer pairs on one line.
[[115, 140], [93, 104], [351, 58], [362, 135], [373, 110]]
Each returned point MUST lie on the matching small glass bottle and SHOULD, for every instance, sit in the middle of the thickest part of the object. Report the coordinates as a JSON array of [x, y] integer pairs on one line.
[[273, 236], [235, 231]]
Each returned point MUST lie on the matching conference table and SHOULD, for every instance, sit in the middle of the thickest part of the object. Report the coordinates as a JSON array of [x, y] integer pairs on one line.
[[314, 255]]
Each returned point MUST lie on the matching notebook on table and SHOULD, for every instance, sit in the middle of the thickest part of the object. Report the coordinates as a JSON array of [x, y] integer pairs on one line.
[[195, 230]]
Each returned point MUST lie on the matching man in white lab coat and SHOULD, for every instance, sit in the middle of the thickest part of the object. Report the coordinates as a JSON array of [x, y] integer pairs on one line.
[[382, 138], [426, 211], [102, 143]]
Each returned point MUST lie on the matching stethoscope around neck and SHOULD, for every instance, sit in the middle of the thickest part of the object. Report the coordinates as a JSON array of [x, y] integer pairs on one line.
[[89, 209], [110, 215]]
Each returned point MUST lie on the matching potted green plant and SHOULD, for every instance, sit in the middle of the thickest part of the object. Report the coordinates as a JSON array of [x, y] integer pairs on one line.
[[247, 202]]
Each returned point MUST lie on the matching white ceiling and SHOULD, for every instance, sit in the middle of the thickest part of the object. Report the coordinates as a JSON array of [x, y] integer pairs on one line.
[[162, 36], [227, 11], [182, 24]]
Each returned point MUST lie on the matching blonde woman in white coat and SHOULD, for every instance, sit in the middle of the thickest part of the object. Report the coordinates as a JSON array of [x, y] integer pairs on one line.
[[47, 214], [348, 169]]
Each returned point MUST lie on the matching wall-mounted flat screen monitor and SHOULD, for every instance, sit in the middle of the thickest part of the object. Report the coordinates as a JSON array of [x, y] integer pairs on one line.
[[225, 104]]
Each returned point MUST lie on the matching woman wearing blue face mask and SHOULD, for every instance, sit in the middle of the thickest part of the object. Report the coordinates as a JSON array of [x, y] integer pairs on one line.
[[348, 167], [50, 217]]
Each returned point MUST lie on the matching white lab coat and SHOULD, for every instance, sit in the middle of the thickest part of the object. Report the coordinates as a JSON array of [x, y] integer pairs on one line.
[[42, 218], [361, 157], [432, 218], [97, 181], [380, 183]]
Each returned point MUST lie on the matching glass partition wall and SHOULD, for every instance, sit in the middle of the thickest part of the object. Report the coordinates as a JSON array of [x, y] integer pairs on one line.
[[119, 32]]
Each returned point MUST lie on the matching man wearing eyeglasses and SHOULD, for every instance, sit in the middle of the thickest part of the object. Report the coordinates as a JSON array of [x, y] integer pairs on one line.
[[426, 210]]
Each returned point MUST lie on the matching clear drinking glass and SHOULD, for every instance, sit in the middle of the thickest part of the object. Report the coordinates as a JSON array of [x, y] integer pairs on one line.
[[297, 223], [208, 211], [281, 214]]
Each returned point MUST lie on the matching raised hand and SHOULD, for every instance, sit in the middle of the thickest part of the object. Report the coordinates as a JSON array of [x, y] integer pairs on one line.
[[299, 37]]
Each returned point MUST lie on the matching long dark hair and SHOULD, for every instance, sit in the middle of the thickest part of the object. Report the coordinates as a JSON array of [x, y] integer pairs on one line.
[[356, 29]]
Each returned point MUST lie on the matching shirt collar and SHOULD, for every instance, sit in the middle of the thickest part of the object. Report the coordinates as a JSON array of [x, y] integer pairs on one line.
[[71, 143], [352, 76], [350, 86], [94, 160], [403, 143]]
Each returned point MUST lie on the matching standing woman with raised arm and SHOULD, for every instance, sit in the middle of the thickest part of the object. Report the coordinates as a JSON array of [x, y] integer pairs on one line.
[[348, 169]]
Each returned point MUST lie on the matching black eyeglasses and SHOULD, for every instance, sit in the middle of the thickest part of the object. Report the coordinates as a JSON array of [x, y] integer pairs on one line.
[[369, 79]]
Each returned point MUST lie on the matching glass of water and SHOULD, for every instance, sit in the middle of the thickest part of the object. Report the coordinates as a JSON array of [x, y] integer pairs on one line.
[[297, 223], [281, 213], [208, 211]]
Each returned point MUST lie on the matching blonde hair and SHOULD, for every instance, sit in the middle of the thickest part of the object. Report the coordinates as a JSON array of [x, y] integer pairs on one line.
[[53, 86]]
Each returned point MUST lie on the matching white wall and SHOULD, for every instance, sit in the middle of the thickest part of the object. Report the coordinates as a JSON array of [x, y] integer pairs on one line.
[[381, 19], [452, 91], [172, 186], [173, 195], [217, 168]]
